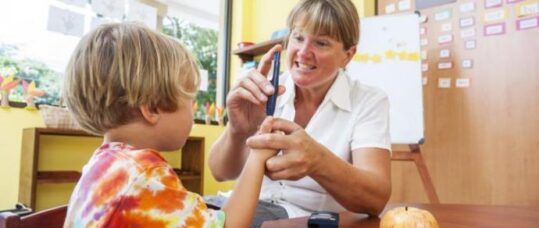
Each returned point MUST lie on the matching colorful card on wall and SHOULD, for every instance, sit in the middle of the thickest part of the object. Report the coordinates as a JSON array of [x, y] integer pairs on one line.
[[444, 83], [495, 15], [529, 7], [422, 30], [446, 27], [443, 15], [445, 39], [527, 23], [466, 22], [390, 8], [493, 3], [423, 42], [469, 44], [462, 83], [404, 5], [467, 7], [467, 63], [424, 67], [467, 33], [445, 53], [494, 29], [513, 1], [445, 65]]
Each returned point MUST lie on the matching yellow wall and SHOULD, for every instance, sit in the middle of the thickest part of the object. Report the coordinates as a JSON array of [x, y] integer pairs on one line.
[[13, 120]]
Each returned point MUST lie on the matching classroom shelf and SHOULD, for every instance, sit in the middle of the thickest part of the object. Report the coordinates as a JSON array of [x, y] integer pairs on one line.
[[248, 53], [190, 173], [57, 176]]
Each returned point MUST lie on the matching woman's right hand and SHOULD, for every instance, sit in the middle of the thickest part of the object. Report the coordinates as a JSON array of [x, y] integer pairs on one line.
[[246, 101]]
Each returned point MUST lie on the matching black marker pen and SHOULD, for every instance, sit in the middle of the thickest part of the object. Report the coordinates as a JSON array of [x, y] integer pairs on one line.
[[272, 100]]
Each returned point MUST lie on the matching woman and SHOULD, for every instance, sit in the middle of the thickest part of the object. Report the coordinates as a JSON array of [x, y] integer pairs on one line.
[[335, 146]]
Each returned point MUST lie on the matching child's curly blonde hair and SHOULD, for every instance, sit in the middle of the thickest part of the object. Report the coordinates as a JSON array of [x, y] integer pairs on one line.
[[119, 67]]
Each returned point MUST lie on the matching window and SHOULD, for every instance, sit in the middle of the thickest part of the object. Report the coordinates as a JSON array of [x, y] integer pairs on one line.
[[37, 38]]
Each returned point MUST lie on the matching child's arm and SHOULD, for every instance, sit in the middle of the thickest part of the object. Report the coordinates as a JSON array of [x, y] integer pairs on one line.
[[241, 206]]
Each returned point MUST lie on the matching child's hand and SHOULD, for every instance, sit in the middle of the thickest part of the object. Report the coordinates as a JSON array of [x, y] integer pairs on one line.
[[265, 128]]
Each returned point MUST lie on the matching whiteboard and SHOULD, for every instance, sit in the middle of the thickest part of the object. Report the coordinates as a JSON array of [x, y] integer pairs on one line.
[[388, 57]]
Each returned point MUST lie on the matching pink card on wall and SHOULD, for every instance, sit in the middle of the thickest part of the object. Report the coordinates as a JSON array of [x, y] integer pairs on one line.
[[512, 1], [493, 3], [494, 29], [527, 23]]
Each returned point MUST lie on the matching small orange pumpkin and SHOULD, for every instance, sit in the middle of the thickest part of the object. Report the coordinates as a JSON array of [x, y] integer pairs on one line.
[[408, 217]]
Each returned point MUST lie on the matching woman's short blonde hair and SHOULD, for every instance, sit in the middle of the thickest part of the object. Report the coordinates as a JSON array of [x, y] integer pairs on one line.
[[335, 18], [119, 67]]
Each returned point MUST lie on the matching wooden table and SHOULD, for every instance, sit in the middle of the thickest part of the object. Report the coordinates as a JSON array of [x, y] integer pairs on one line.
[[447, 215]]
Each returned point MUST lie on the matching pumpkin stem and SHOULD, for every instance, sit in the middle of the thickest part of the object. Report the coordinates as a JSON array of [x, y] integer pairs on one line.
[[406, 208]]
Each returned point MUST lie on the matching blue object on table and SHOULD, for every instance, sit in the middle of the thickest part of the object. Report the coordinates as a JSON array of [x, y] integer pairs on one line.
[[272, 100], [323, 219]]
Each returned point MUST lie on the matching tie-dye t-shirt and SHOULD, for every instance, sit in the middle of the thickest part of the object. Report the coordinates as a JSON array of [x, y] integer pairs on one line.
[[124, 187]]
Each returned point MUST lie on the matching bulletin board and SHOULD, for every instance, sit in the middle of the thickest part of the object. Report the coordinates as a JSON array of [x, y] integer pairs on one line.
[[480, 74]]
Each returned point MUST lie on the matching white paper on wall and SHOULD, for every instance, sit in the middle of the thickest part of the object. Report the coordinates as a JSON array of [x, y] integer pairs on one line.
[[79, 3], [445, 53], [109, 8], [444, 83], [469, 44], [467, 33], [462, 83], [142, 13], [467, 7], [65, 21], [390, 8], [96, 21], [404, 5]]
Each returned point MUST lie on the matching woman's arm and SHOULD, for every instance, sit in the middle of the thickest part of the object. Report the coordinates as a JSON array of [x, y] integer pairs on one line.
[[246, 103], [367, 180], [362, 187]]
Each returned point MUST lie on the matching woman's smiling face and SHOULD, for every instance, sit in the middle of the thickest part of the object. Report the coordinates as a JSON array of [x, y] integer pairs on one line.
[[315, 59]]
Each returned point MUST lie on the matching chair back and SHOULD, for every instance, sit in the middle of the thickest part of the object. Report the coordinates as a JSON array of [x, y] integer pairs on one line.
[[53, 217]]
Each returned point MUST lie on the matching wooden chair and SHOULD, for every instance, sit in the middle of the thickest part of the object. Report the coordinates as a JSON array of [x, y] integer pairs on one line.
[[53, 217]]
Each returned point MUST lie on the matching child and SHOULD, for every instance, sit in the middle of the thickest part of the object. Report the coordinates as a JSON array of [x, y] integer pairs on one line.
[[135, 87]]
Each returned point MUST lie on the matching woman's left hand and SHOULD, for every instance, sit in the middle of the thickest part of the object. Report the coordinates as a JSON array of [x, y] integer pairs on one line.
[[301, 156]]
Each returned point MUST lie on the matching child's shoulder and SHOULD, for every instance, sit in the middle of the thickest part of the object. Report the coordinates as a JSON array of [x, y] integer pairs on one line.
[[143, 158]]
